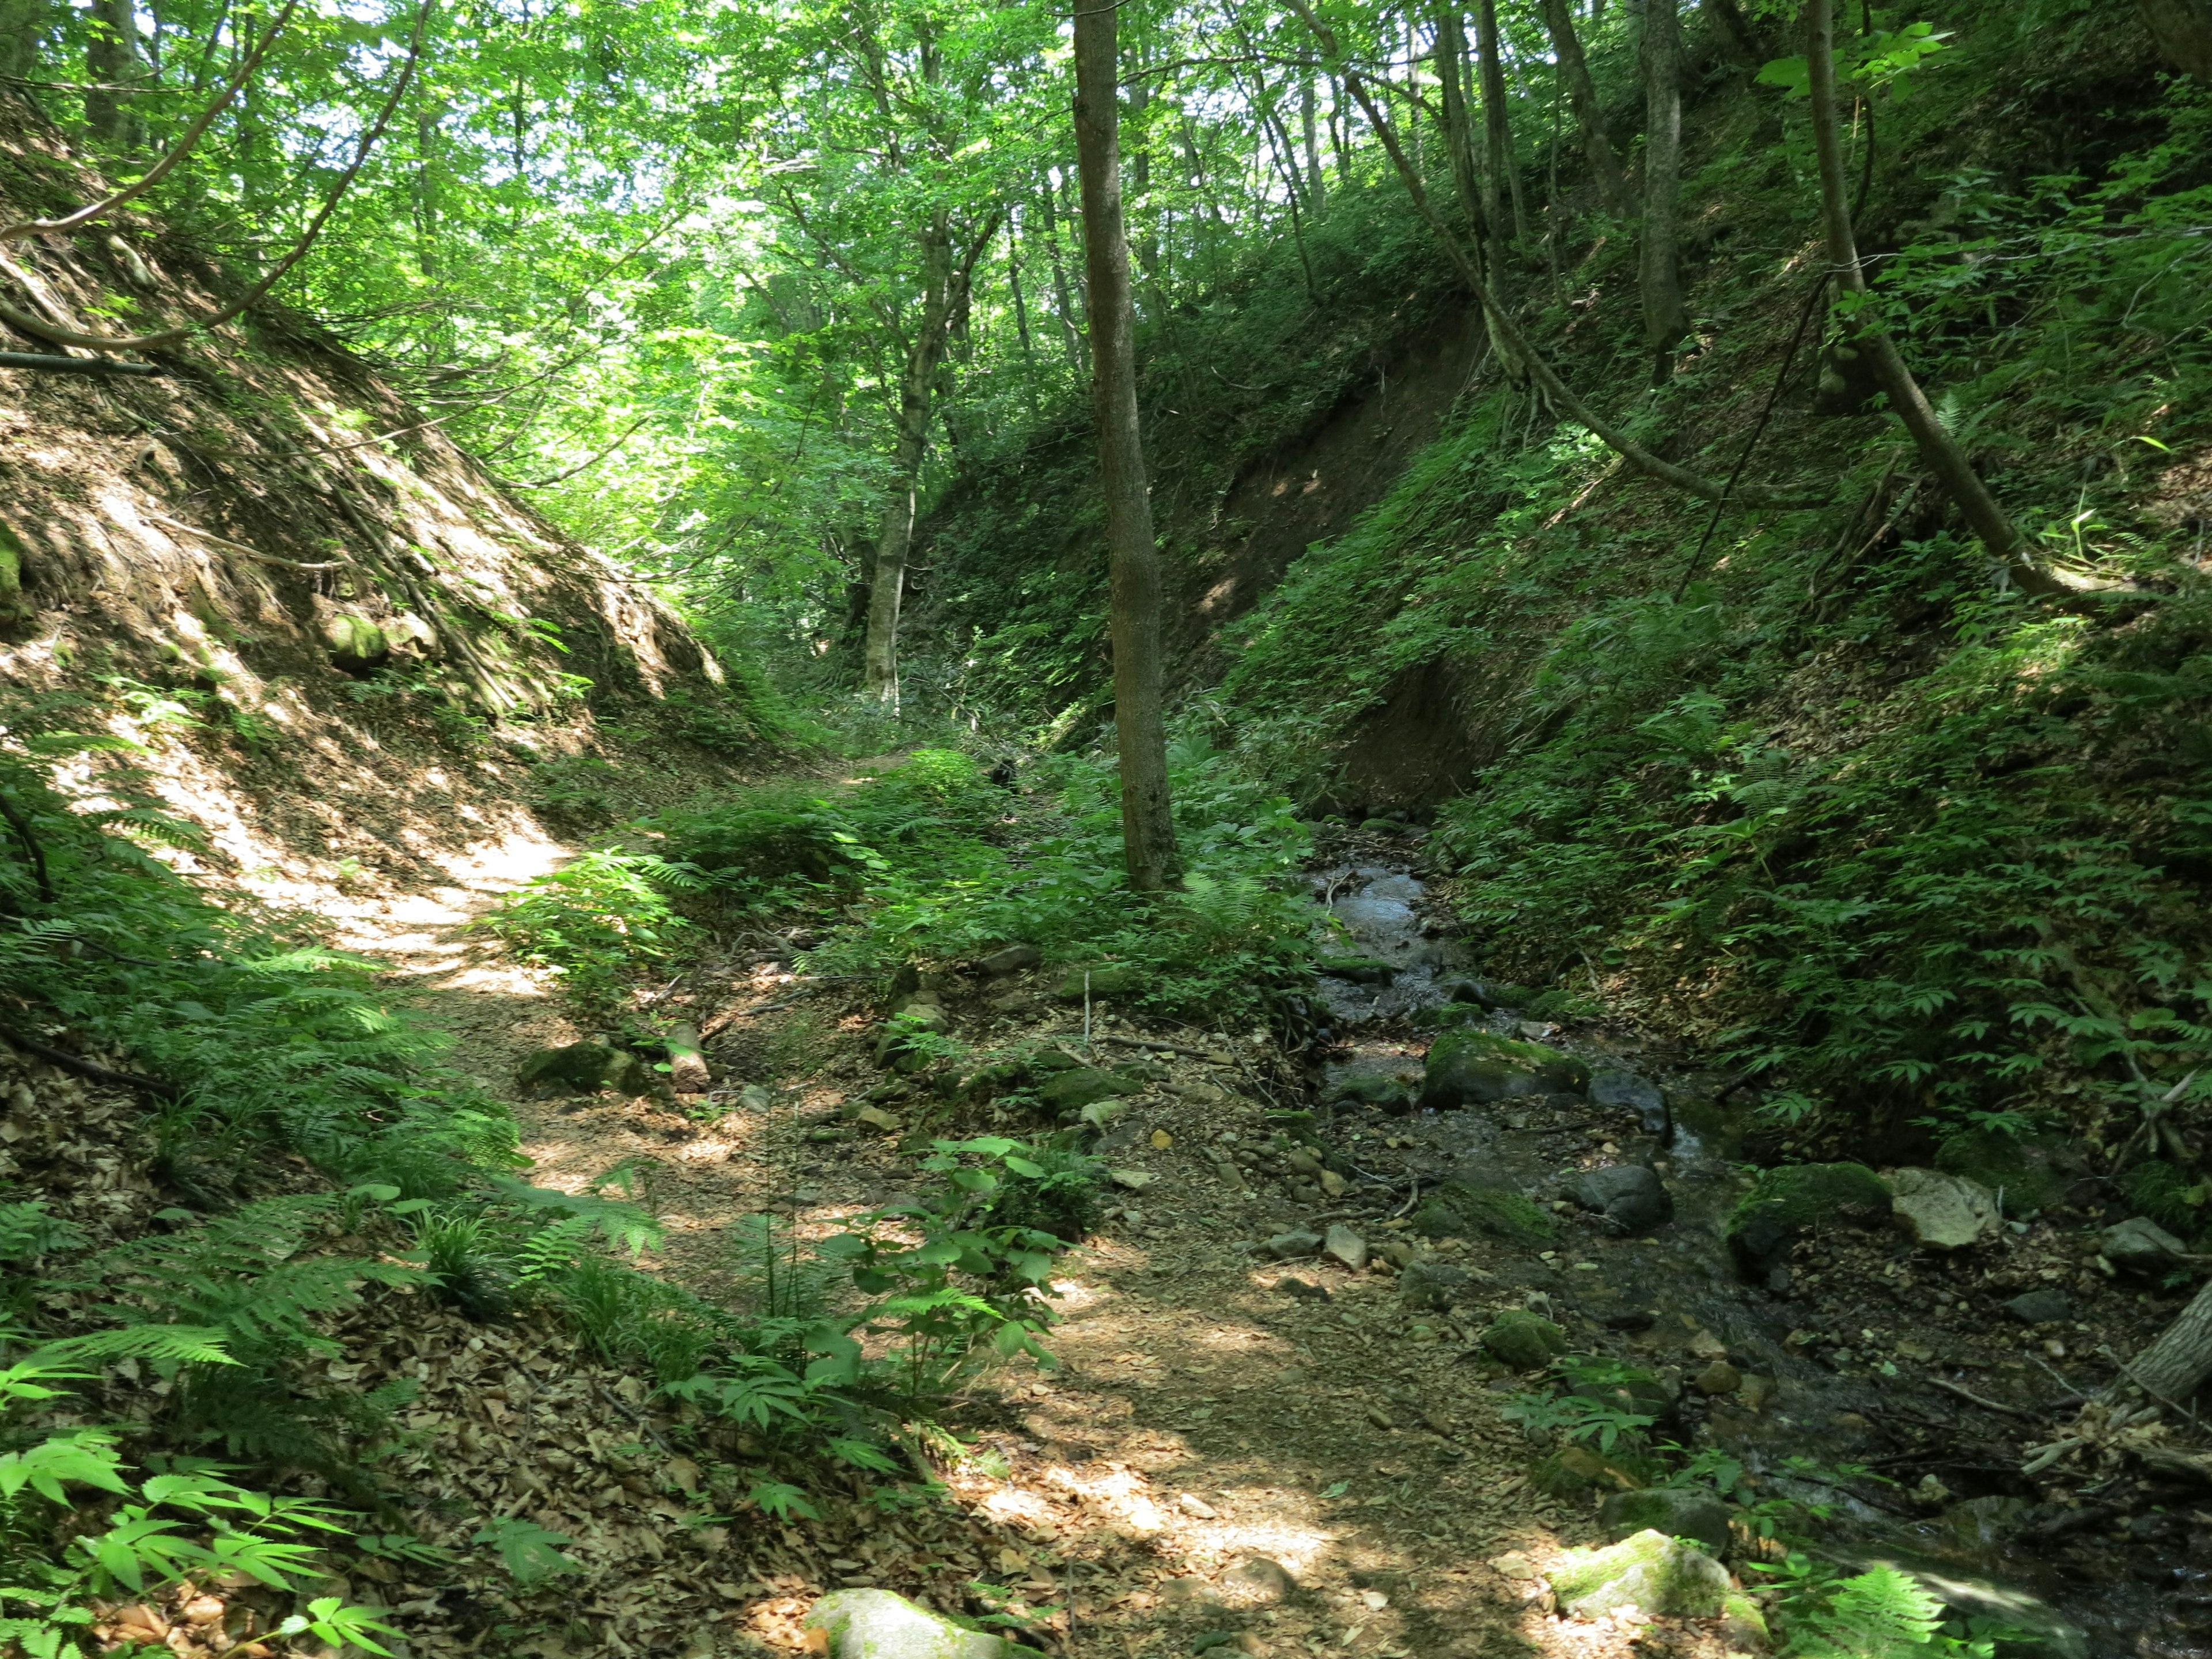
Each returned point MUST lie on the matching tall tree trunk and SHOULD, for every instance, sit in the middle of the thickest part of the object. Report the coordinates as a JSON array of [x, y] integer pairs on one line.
[[1477, 200], [1339, 132], [1738, 34], [111, 63], [1147, 825], [1659, 266], [2183, 29], [1939, 451], [1582, 98], [879, 657], [1496, 131], [23, 25]]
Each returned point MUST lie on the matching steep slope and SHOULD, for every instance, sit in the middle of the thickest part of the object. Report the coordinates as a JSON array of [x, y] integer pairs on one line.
[[348, 643]]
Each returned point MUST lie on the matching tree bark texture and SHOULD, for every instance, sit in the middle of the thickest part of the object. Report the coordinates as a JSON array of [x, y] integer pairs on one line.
[[1939, 451], [111, 62], [1133, 560], [22, 27], [880, 656], [1659, 264], [1582, 98], [2178, 1362], [1497, 132], [2183, 29]]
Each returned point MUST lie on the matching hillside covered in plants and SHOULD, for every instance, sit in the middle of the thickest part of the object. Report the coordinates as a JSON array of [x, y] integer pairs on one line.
[[1312, 828]]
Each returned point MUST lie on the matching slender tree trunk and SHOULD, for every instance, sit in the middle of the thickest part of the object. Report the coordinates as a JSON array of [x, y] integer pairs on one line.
[[1582, 98], [1659, 267], [111, 63], [1014, 284], [1939, 451], [1339, 132], [1071, 335], [1496, 131], [879, 657], [1477, 196], [1738, 35], [1316, 189], [1147, 825]]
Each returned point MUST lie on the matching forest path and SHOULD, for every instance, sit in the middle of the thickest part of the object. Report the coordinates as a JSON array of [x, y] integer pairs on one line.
[[1220, 1459]]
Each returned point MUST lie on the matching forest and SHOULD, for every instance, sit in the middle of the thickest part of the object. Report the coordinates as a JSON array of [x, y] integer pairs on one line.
[[915, 830]]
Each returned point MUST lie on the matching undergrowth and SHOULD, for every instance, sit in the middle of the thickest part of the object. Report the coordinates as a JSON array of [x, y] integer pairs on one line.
[[196, 1341]]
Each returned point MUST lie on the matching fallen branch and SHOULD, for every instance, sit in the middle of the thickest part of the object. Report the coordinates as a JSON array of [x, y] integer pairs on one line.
[[40, 363], [154, 1087], [230, 545], [1973, 1398]]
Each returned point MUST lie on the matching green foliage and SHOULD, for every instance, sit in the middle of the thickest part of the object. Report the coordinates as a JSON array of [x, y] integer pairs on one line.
[[597, 921], [575, 791], [1055, 1190], [531, 1553], [1880, 1613]]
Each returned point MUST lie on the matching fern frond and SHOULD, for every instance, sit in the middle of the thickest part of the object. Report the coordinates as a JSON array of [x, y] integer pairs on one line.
[[184, 1344], [1882, 1614]]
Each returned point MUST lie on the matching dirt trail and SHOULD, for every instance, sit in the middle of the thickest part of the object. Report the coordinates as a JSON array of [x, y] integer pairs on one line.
[[1222, 1455]]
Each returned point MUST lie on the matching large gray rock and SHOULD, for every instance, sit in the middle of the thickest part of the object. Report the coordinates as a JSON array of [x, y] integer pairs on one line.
[[2140, 1245], [1649, 1571], [1677, 1511], [1291, 1246], [875, 1624], [1014, 959], [1640, 1095], [1941, 1212], [2040, 1308], [1631, 1199], [1475, 1068], [1346, 1246]]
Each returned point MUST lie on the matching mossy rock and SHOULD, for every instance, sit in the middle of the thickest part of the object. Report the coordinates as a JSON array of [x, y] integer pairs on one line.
[[2161, 1191], [19, 617], [1524, 1341], [1108, 979], [1783, 1203], [1458, 1211], [1475, 1068], [2021, 1166], [1071, 1091], [1649, 1571], [583, 1068], [356, 645], [876, 1624]]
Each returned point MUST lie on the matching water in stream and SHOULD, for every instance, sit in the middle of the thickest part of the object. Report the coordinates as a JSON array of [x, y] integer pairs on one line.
[[1682, 1278]]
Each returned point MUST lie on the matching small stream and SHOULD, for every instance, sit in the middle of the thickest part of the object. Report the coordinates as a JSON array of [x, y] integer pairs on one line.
[[1672, 1287]]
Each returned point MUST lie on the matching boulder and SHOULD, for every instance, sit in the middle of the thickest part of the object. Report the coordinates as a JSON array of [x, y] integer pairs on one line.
[[582, 1068], [1112, 979], [1014, 959], [1346, 1246], [1783, 1203], [1523, 1340], [1630, 1198], [1291, 1246], [1743, 1626], [1639, 1095], [896, 1047], [357, 646], [2140, 1245], [1678, 1512], [1071, 1091], [2040, 1307], [1649, 1571], [1475, 1068], [1941, 1212], [876, 1624], [1431, 1286]]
